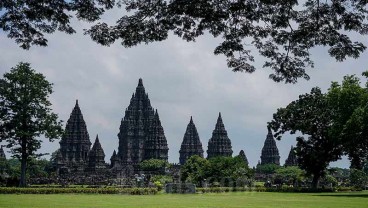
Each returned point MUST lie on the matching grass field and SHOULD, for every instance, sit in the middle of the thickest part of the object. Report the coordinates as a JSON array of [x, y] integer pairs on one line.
[[238, 199]]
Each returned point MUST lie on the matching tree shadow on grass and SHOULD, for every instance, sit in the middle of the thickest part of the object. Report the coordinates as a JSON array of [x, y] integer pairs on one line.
[[344, 195]]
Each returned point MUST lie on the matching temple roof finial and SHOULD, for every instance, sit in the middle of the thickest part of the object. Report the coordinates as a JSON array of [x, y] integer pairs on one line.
[[140, 82], [76, 102], [191, 119]]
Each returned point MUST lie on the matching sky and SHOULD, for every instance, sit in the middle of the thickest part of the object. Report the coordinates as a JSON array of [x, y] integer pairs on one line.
[[182, 79]]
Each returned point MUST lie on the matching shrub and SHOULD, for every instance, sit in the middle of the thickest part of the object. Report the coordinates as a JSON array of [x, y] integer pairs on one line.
[[110, 190]]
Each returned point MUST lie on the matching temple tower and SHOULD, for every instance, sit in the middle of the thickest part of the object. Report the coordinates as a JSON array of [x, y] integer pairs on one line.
[[219, 144], [243, 156], [291, 160], [134, 127], [75, 143], [156, 144], [96, 157], [270, 153], [2, 153], [191, 144], [114, 160]]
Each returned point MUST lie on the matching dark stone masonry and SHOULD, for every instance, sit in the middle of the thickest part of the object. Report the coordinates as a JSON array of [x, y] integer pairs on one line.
[[191, 144], [270, 152], [219, 144]]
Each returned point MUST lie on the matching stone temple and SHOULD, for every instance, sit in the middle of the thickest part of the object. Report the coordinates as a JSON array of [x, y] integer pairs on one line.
[[292, 159], [191, 144], [141, 136], [270, 152], [75, 154], [219, 144]]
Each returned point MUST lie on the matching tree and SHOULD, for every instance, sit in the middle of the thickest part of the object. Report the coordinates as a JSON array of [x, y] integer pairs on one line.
[[282, 31], [267, 168], [358, 178], [25, 114], [153, 164], [194, 170], [292, 175], [349, 101], [312, 116], [28, 21], [334, 122]]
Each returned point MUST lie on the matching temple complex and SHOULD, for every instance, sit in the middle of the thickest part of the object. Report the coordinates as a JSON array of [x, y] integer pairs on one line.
[[270, 153], [142, 137], [291, 160], [219, 144], [191, 144]]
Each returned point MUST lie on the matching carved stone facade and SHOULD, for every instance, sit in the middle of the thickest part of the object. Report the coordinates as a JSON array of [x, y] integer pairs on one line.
[[219, 144], [191, 144], [75, 154], [75, 143], [292, 159], [96, 157], [141, 135], [270, 152], [2, 153]]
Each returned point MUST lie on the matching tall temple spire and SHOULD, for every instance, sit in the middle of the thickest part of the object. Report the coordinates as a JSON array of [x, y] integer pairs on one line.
[[156, 144], [134, 127], [219, 144], [243, 156], [191, 144], [270, 153], [96, 156], [292, 159], [2, 153], [114, 159], [75, 143]]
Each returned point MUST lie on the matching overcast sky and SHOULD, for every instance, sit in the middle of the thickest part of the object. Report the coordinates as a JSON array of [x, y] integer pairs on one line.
[[182, 80]]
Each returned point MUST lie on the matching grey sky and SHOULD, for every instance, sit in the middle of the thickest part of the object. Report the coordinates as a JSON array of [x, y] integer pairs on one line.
[[182, 80]]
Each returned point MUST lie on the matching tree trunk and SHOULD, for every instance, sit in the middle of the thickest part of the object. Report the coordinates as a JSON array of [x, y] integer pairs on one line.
[[23, 169], [315, 181]]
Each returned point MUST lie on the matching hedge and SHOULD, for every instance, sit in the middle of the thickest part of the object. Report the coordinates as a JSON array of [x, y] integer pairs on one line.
[[128, 191]]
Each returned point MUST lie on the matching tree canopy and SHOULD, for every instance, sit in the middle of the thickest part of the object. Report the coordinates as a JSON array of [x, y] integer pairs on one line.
[[332, 124], [228, 171], [281, 31], [25, 113]]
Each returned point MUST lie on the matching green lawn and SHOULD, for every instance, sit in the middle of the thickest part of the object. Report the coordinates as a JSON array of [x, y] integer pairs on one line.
[[239, 199]]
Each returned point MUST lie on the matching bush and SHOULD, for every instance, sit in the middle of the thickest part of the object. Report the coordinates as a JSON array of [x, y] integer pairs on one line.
[[128, 191]]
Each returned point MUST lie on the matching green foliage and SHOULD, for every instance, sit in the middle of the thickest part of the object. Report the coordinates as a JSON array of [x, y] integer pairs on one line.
[[267, 168], [163, 179], [291, 175], [27, 21], [285, 37], [25, 113], [333, 124], [129, 191], [158, 185], [153, 164], [194, 170], [330, 180], [225, 171], [358, 178], [288, 31]]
